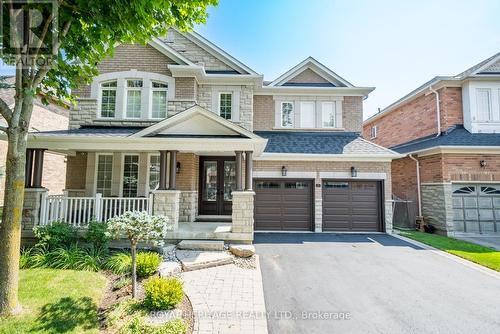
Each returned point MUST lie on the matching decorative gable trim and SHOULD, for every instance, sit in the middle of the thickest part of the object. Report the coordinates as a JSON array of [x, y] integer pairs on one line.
[[490, 67], [315, 66]]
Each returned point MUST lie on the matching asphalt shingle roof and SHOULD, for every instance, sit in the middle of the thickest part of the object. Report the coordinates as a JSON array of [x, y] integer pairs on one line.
[[456, 136], [94, 131]]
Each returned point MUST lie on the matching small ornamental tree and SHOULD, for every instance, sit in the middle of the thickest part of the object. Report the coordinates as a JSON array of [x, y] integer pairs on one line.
[[138, 226]]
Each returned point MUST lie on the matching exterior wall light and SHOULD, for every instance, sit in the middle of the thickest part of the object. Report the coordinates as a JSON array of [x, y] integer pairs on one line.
[[283, 171], [178, 167], [354, 171], [482, 163]]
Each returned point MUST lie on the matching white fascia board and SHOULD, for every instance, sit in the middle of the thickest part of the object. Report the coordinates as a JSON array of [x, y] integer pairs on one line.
[[198, 72], [316, 91], [486, 65], [328, 157], [456, 150], [159, 45]]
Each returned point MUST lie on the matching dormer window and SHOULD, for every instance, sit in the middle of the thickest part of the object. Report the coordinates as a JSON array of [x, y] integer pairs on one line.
[[108, 99], [225, 105], [287, 114], [159, 102], [134, 92]]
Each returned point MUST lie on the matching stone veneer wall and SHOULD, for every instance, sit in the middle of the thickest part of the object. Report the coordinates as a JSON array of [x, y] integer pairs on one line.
[[243, 212], [437, 207], [188, 207], [31, 208]]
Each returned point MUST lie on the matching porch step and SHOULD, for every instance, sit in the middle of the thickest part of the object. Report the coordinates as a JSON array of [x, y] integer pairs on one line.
[[213, 219], [194, 260], [201, 245]]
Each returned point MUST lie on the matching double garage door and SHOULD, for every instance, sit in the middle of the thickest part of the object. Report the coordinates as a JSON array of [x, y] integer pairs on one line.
[[288, 205]]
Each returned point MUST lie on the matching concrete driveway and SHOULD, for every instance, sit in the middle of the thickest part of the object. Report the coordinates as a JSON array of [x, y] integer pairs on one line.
[[371, 283]]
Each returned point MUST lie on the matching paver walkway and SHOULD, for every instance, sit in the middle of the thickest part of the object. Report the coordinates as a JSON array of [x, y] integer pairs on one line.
[[227, 299]]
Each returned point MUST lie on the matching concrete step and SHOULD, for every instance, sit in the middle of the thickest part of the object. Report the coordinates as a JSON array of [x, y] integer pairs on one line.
[[204, 245], [194, 260]]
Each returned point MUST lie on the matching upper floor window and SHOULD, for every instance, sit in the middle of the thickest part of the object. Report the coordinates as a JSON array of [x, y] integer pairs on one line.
[[108, 99], [483, 96], [328, 114], [373, 132], [307, 114], [159, 104], [134, 92], [225, 105], [287, 114]]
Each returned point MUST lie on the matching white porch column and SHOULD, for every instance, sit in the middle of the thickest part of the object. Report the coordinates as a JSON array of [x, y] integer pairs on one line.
[[166, 203], [243, 206]]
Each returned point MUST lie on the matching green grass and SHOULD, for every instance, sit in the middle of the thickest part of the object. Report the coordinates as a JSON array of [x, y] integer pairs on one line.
[[484, 256], [56, 301]]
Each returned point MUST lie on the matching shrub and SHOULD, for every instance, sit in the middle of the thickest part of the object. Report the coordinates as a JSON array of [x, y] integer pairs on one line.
[[122, 282], [162, 293], [96, 234], [147, 263], [56, 235], [137, 325], [25, 258], [72, 257]]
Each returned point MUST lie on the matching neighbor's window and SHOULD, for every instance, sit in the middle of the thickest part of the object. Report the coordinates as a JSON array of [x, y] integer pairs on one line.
[[328, 114], [130, 175], [483, 97], [134, 88], [154, 171], [108, 99], [104, 174], [159, 107], [225, 105], [373, 132], [287, 114]]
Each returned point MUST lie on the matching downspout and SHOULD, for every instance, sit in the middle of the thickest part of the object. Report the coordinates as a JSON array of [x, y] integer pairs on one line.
[[438, 111], [419, 199]]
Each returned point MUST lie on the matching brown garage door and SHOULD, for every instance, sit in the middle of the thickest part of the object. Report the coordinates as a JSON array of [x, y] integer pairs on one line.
[[283, 205], [351, 206]]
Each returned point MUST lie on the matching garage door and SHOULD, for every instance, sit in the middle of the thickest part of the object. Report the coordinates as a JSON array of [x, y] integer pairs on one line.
[[283, 205], [351, 206], [476, 208]]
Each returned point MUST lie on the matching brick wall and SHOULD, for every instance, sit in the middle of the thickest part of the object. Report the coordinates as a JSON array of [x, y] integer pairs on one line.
[[352, 113], [263, 112], [404, 179], [76, 169], [466, 167], [417, 118], [185, 88], [187, 179]]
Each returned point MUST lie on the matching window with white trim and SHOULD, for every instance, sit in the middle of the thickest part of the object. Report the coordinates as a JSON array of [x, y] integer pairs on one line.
[[108, 98], [159, 100], [307, 114], [130, 175], [134, 92], [287, 114], [373, 132], [483, 100], [104, 174], [154, 171], [225, 105], [328, 114]]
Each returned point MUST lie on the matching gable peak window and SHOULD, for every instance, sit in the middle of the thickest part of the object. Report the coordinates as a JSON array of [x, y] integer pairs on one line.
[[108, 99], [287, 114], [225, 105], [134, 92], [159, 100]]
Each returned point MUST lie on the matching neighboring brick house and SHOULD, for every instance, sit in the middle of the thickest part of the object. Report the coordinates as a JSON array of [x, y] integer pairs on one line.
[[181, 128], [451, 126], [44, 117]]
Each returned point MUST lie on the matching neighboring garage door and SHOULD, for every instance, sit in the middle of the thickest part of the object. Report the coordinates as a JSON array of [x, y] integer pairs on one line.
[[476, 208], [351, 206], [283, 205]]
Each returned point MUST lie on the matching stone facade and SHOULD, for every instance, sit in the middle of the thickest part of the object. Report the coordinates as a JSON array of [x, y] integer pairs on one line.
[[243, 209], [437, 206], [188, 207], [167, 203], [31, 208]]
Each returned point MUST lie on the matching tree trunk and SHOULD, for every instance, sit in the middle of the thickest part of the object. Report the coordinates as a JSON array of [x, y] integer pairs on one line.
[[134, 270], [10, 227]]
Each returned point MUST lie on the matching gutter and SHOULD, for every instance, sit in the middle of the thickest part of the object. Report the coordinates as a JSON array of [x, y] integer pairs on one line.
[[419, 198], [438, 111]]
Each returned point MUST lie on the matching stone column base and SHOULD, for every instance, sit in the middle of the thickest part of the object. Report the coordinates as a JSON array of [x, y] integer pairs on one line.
[[166, 203], [243, 211], [437, 207], [31, 207]]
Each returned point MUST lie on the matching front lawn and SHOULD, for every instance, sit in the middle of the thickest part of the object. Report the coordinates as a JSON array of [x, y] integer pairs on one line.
[[57, 301], [484, 256]]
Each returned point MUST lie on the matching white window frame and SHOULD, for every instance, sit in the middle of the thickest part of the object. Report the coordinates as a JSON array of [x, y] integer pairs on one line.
[[314, 123], [334, 104], [148, 175], [101, 89], [134, 89], [292, 116], [373, 132], [122, 171], [219, 103], [96, 171], [158, 89], [490, 111], [235, 91]]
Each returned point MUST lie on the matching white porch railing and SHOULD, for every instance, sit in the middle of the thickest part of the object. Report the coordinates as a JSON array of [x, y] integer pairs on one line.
[[79, 211]]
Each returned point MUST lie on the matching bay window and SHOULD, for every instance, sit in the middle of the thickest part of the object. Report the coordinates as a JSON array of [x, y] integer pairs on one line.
[[134, 90], [108, 99], [159, 100]]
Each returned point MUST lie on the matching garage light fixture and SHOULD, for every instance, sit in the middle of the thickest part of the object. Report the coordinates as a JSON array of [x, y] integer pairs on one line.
[[283, 171], [482, 163], [354, 171]]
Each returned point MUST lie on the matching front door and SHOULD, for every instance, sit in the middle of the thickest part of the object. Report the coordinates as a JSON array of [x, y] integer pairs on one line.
[[217, 181]]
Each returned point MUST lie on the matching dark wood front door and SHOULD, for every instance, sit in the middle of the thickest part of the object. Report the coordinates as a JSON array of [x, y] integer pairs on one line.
[[217, 181]]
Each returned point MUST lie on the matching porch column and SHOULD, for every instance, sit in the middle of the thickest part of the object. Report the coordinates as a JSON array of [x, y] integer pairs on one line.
[[28, 172], [249, 170], [239, 170], [173, 169], [163, 171], [38, 169]]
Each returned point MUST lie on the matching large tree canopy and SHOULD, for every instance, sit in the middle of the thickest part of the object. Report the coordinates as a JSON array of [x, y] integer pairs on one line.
[[87, 32]]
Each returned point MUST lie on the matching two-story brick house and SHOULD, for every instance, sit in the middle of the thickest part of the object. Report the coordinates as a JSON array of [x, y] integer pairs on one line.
[[448, 129], [181, 128]]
